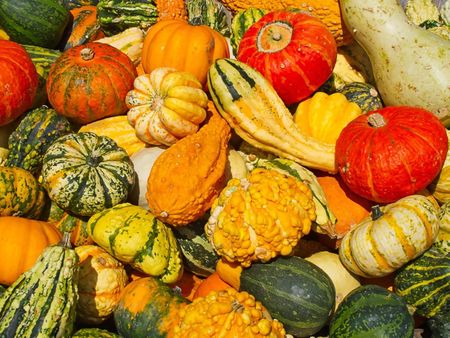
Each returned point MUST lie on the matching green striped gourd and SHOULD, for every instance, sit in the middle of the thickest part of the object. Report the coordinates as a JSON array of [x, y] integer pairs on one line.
[[198, 253], [42, 301], [129, 42], [42, 58], [363, 94], [325, 219], [296, 292], [251, 106], [372, 311], [115, 16], [34, 22], [20, 193], [425, 282], [210, 13], [439, 326], [391, 237], [70, 4], [134, 236], [30, 140], [85, 173], [242, 21], [94, 333], [2, 290]]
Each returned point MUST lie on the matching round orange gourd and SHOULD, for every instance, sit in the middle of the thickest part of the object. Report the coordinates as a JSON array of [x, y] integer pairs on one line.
[[211, 283], [180, 45], [22, 240], [348, 207]]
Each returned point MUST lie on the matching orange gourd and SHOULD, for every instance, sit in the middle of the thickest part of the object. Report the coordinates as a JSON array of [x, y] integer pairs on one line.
[[22, 241], [211, 283], [185, 47]]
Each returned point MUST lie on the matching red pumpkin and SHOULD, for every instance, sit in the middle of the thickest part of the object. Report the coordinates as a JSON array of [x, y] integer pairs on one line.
[[294, 51], [391, 153], [90, 82], [18, 81]]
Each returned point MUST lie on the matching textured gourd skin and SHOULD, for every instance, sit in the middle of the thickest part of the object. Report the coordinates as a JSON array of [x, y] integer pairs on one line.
[[18, 81], [171, 9], [166, 105], [48, 289], [440, 187], [85, 173], [260, 217], [101, 279], [38, 129], [378, 247], [181, 197], [134, 236], [327, 11], [227, 313], [23, 241], [90, 82], [20, 193]]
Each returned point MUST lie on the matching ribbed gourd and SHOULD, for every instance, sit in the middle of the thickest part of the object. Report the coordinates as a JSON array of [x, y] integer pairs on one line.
[[20, 193], [136, 237], [30, 140], [260, 217], [42, 302]]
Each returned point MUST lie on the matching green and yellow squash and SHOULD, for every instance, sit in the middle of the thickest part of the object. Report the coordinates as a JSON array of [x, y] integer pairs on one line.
[[210, 13], [94, 333], [42, 301], [20, 193], [372, 311], [134, 236], [425, 283], [241, 21], [85, 173], [38, 129]]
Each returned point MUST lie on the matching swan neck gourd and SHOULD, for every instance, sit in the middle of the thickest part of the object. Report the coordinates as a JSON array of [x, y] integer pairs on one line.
[[411, 66]]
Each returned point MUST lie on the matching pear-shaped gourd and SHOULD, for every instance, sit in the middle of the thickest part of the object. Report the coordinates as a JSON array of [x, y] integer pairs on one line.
[[411, 66]]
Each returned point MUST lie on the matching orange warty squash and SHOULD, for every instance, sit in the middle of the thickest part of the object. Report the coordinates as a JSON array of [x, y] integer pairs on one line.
[[187, 177], [22, 240], [180, 45], [171, 9], [90, 82]]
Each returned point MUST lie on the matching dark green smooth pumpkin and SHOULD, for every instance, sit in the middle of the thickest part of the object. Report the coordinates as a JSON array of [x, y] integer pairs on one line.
[[372, 311]]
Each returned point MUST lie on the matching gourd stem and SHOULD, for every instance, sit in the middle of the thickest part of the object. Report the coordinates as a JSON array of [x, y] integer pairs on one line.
[[276, 36], [65, 242], [87, 54], [376, 120], [376, 212]]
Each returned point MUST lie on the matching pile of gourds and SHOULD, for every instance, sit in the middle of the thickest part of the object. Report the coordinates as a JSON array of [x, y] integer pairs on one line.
[[224, 168]]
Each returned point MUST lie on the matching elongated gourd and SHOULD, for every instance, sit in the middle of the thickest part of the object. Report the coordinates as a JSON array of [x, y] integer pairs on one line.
[[410, 65], [258, 115]]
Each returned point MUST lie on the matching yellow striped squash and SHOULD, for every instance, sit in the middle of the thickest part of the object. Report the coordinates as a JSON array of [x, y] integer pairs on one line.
[[393, 235]]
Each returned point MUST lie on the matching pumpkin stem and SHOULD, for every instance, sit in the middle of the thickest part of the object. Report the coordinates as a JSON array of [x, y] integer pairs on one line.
[[376, 120], [376, 212], [87, 54], [65, 242]]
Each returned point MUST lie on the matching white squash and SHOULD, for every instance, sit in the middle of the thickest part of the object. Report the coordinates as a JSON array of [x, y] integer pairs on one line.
[[143, 162], [410, 65], [342, 279]]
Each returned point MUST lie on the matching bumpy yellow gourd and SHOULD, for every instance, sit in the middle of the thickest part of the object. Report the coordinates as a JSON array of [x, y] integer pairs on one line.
[[324, 116], [227, 313], [166, 105], [260, 217]]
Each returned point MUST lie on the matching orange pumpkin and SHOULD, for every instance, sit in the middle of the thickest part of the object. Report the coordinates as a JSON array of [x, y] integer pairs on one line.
[[180, 45], [22, 241], [211, 283], [188, 284], [348, 207]]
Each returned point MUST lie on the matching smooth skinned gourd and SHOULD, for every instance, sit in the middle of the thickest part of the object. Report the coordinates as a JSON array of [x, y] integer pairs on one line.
[[410, 65]]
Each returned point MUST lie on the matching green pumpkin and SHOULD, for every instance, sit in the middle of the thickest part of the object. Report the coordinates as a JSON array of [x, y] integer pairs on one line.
[[42, 301], [372, 311], [20, 193], [134, 236], [85, 173], [425, 282], [30, 140], [363, 94]]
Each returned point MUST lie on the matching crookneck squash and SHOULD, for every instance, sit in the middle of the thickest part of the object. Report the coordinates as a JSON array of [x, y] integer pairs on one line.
[[85, 173], [187, 177], [42, 302], [136, 237], [392, 236], [166, 105]]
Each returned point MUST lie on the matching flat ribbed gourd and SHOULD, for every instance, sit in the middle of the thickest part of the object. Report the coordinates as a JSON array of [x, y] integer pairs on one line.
[[260, 217]]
